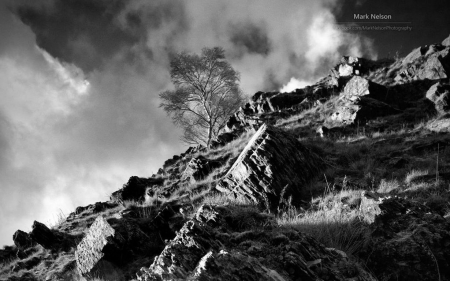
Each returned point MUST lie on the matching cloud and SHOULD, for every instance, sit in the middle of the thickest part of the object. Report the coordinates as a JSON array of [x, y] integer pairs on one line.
[[80, 82], [294, 84]]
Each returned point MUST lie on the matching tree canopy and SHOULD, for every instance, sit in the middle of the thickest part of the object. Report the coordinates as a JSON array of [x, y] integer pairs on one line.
[[206, 94]]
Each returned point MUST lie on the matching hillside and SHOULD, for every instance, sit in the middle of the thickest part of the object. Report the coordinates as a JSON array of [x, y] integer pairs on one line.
[[346, 179]]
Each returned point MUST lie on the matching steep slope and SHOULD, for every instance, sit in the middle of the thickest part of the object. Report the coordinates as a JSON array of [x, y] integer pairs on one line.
[[305, 185]]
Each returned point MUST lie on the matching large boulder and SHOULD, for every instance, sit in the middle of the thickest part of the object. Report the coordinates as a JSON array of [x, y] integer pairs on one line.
[[51, 239], [99, 245], [428, 62], [221, 244], [439, 94], [360, 101], [440, 125], [349, 66], [22, 239], [272, 167], [446, 41], [109, 246], [409, 241], [198, 168], [135, 188]]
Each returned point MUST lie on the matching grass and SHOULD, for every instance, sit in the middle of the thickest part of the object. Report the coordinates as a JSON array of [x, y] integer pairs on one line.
[[387, 186], [414, 174], [333, 221]]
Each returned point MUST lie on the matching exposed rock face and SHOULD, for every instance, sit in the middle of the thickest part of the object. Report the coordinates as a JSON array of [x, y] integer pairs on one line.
[[135, 189], [109, 246], [272, 165], [440, 125], [360, 101], [446, 41], [428, 62], [349, 66], [211, 247], [22, 239], [198, 168], [439, 94], [50, 239], [97, 243], [409, 242]]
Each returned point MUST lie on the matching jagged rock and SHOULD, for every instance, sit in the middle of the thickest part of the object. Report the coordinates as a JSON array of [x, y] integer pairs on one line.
[[210, 247], [110, 245], [358, 87], [440, 125], [409, 242], [96, 247], [359, 102], [446, 41], [51, 239], [428, 62], [22, 239], [198, 168], [42, 235], [135, 189], [272, 165], [96, 208], [7, 253], [439, 94], [349, 66]]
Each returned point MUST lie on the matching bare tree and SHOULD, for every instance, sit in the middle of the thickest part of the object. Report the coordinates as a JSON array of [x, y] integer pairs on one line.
[[206, 94]]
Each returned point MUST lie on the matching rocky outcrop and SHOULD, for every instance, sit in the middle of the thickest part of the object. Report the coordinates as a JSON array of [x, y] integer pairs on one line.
[[349, 66], [198, 168], [222, 244], [440, 125], [446, 41], [409, 241], [22, 239], [272, 165], [51, 239], [360, 101], [428, 62], [111, 245], [135, 189], [96, 248], [439, 94]]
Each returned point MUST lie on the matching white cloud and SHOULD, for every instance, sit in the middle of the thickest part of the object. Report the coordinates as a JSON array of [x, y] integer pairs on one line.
[[294, 84]]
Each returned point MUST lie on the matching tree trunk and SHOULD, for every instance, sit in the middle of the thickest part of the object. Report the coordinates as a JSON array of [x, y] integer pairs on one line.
[[209, 135]]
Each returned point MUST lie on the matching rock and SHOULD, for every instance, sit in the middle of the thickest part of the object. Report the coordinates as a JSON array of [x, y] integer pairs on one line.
[[440, 125], [98, 243], [349, 66], [428, 62], [109, 246], [42, 235], [446, 41], [134, 189], [272, 165], [22, 239], [7, 253], [439, 94], [358, 87], [198, 168], [359, 102], [92, 209], [408, 242], [51, 239], [208, 247]]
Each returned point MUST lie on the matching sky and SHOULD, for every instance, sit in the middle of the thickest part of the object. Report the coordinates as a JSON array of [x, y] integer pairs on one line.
[[79, 82]]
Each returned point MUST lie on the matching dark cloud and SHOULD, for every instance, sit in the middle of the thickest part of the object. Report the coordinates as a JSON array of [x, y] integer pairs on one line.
[[89, 33], [250, 38]]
